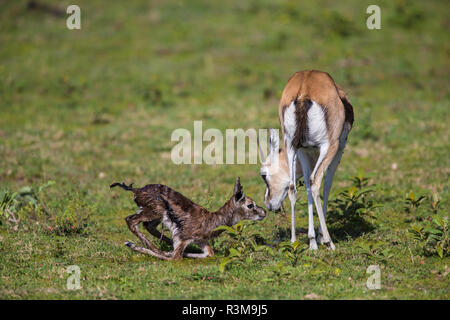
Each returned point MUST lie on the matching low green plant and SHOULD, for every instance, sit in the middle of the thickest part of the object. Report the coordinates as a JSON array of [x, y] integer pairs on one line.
[[435, 202], [433, 238], [242, 246], [353, 202], [412, 202], [72, 220], [17, 207], [7, 206], [407, 15], [378, 251], [361, 179], [278, 273], [292, 251], [29, 208]]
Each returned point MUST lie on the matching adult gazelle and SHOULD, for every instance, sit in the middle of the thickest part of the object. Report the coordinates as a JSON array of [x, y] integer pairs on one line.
[[316, 118]]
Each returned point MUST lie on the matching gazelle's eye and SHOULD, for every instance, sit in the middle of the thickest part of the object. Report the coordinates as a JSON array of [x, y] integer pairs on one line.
[[250, 206]]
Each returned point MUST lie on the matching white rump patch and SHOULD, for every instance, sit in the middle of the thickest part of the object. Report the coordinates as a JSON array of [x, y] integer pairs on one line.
[[317, 127], [290, 122]]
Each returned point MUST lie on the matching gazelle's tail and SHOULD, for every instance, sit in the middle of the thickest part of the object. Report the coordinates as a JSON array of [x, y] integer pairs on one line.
[[123, 186]]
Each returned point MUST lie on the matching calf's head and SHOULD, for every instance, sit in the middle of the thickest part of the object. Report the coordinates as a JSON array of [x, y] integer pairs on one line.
[[244, 207]]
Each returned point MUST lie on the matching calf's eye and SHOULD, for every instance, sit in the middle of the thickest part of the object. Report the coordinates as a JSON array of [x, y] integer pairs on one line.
[[250, 206]]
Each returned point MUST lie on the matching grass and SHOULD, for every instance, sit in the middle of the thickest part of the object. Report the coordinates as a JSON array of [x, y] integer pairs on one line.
[[90, 107]]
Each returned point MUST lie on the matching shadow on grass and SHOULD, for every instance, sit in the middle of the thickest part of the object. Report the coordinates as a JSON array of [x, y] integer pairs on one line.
[[346, 228], [340, 227], [283, 234]]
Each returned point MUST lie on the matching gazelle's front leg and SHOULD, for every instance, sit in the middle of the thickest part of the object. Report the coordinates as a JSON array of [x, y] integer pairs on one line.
[[133, 222], [327, 187], [327, 153], [306, 168], [292, 193]]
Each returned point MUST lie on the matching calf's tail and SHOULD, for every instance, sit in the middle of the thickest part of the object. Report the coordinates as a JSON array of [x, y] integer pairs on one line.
[[123, 186]]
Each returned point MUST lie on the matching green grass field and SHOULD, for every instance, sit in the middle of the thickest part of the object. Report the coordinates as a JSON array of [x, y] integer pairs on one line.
[[85, 108]]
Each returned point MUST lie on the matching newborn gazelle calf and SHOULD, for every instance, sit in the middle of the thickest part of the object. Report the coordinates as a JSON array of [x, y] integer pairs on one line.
[[187, 221]]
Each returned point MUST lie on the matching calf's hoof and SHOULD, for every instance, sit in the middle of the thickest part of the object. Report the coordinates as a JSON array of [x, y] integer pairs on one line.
[[129, 244]]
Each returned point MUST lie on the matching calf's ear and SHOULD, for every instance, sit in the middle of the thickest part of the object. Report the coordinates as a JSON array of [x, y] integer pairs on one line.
[[237, 192], [237, 185]]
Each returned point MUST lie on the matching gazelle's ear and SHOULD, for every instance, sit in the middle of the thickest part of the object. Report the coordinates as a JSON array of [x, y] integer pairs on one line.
[[261, 154], [262, 145], [274, 142], [237, 186], [237, 192]]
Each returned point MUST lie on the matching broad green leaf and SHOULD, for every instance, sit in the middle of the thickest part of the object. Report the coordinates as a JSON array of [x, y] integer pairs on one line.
[[234, 253], [240, 226], [440, 251], [224, 263], [225, 228]]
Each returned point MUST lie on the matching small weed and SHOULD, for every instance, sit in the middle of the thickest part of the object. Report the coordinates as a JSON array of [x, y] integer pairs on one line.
[[435, 202], [378, 251], [28, 208], [353, 202], [242, 247], [18, 208], [205, 276], [433, 238], [73, 220], [407, 15], [279, 272], [7, 207], [292, 251], [412, 203]]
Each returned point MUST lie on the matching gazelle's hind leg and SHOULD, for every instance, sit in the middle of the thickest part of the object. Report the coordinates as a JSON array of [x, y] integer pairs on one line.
[[330, 175], [292, 192], [151, 228], [289, 125], [158, 254], [306, 169], [133, 222], [327, 153], [328, 181]]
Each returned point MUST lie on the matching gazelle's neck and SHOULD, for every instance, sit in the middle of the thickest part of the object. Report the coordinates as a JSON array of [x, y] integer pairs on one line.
[[225, 214]]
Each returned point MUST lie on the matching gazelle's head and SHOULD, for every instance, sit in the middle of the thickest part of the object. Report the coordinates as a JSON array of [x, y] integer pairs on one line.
[[275, 173], [244, 208]]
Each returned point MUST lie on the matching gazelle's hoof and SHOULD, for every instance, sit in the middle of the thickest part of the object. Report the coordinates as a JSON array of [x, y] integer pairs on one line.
[[312, 243], [320, 239], [129, 244], [313, 246], [330, 245]]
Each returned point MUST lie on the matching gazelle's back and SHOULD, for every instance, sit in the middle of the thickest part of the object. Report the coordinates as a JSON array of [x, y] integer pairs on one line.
[[147, 195], [310, 88]]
